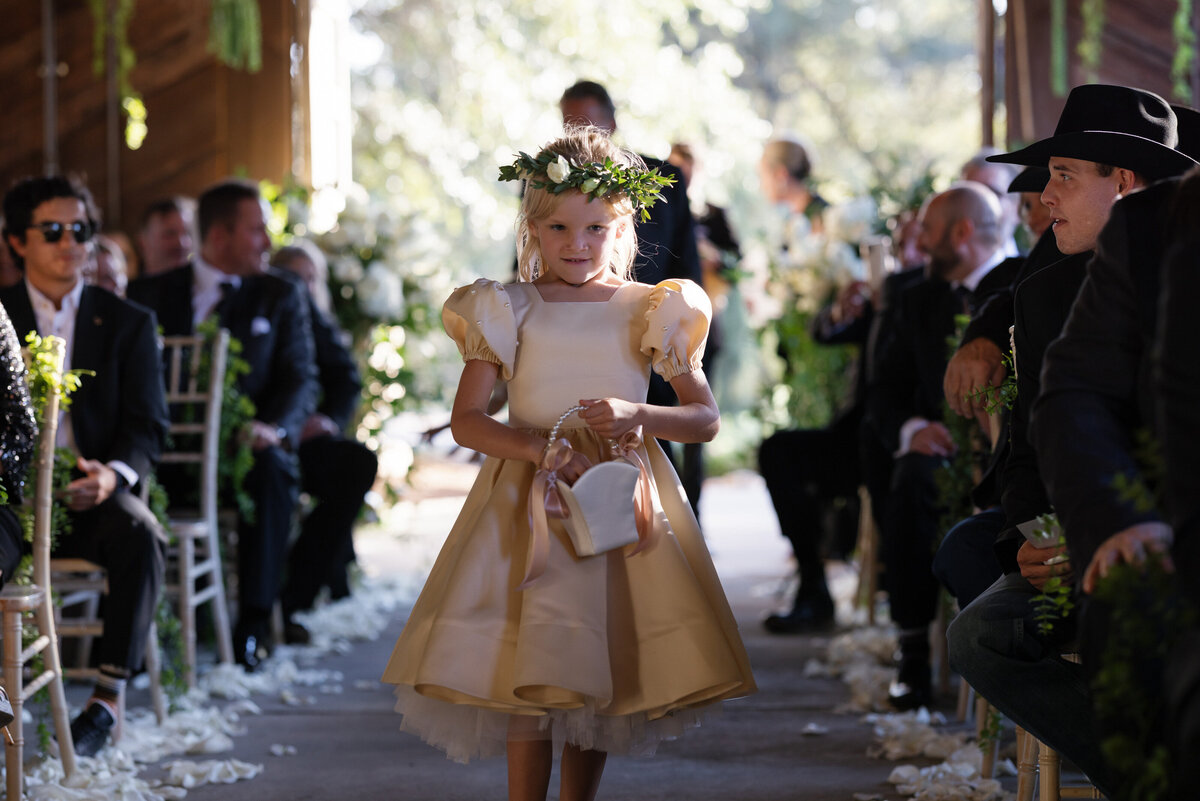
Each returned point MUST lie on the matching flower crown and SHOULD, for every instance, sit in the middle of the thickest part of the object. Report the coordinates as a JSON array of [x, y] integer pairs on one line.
[[556, 174]]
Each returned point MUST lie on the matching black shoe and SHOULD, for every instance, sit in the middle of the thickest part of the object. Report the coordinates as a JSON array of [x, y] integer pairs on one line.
[[90, 730], [913, 687], [251, 646], [295, 634], [6, 710], [807, 616]]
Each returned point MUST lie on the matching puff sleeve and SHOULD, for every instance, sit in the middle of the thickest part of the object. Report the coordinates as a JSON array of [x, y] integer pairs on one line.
[[677, 316], [480, 319]]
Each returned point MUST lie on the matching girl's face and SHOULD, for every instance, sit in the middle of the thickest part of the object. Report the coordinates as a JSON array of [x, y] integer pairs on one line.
[[577, 239]]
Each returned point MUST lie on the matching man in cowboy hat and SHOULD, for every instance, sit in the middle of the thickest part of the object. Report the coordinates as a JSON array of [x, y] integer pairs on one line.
[[1110, 141]]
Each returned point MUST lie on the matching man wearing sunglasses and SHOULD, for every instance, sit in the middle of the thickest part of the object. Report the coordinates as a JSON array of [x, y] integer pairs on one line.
[[116, 424]]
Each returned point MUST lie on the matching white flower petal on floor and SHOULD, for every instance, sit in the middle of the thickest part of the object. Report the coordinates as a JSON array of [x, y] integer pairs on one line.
[[187, 774]]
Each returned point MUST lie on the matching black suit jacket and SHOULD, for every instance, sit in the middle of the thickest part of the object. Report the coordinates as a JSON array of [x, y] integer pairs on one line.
[[1041, 306], [667, 241], [269, 316], [909, 372], [120, 413], [1096, 388]]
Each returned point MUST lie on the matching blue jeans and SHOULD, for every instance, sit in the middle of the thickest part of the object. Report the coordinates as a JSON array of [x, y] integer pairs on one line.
[[995, 646], [966, 561]]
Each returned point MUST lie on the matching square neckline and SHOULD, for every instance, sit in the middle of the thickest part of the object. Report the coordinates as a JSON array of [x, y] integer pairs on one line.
[[541, 299]]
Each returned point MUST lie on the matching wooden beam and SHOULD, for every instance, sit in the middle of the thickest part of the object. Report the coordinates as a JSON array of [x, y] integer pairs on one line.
[[987, 72]]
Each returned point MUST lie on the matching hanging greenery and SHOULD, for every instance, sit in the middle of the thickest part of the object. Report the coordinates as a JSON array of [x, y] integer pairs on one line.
[[131, 101], [1185, 51], [1058, 47], [1090, 45], [235, 34]]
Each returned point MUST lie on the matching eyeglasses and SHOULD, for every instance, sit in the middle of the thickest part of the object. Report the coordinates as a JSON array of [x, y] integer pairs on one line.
[[53, 231]]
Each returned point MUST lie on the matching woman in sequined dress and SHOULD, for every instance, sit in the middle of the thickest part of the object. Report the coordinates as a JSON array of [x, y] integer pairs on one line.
[[17, 439]]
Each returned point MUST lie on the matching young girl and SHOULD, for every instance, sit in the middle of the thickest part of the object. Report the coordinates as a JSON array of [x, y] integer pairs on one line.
[[517, 644]]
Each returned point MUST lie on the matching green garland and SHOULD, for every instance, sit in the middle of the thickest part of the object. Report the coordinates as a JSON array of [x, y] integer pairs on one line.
[[235, 34], [1090, 45], [237, 411], [1185, 51], [557, 174], [131, 101], [1058, 47]]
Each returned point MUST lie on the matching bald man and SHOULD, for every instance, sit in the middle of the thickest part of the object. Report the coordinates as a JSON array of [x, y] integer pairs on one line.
[[961, 235]]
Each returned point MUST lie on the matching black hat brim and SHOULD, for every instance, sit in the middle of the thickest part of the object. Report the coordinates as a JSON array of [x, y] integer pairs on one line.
[[1031, 179], [1144, 156]]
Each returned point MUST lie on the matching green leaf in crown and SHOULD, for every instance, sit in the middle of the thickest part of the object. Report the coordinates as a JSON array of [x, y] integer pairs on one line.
[[556, 174]]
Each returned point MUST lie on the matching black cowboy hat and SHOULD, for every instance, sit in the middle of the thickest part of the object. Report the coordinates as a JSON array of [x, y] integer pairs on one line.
[[1030, 179], [1117, 125], [1188, 125]]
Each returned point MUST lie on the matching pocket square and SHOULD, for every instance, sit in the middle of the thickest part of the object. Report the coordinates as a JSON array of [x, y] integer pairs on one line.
[[260, 326]]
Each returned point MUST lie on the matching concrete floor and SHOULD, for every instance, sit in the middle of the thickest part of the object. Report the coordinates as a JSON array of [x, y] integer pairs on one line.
[[348, 745]]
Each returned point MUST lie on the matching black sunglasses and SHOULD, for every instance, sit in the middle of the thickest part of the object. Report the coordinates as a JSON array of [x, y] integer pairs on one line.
[[53, 231]]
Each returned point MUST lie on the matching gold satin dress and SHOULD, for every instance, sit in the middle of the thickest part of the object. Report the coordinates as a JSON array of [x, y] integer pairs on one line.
[[609, 652]]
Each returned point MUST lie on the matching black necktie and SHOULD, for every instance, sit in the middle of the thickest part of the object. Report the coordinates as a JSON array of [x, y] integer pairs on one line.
[[227, 290], [962, 299]]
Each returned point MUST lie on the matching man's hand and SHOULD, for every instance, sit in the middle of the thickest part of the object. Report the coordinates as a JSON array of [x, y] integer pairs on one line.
[[850, 302], [318, 425], [261, 436], [1039, 565], [933, 440], [975, 365], [1129, 546], [93, 489]]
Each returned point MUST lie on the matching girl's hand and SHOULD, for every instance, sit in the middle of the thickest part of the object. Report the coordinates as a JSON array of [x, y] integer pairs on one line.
[[610, 417], [574, 468]]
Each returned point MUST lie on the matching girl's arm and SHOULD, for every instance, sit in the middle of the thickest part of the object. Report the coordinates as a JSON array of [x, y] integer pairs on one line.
[[695, 419], [474, 428]]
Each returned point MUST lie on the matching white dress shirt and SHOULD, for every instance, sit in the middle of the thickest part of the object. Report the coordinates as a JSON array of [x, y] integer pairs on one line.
[[206, 289]]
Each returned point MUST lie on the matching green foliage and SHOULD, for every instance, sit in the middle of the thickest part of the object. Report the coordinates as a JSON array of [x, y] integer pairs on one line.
[[815, 376], [131, 101], [558, 174], [237, 411], [1058, 47], [1185, 51], [173, 673], [989, 733], [1003, 396], [1090, 44], [235, 34], [1148, 615], [955, 478]]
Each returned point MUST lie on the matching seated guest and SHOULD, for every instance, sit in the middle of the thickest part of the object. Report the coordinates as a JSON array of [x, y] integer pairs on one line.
[[1110, 142], [165, 235], [116, 425], [1177, 380], [337, 472], [18, 439], [961, 236], [998, 178], [106, 267], [269, 316]]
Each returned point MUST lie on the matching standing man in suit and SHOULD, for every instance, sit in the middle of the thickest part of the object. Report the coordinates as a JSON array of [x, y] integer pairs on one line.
[[1110, 141], [269, 316], [116, 425], [334, 470], [961, 236]]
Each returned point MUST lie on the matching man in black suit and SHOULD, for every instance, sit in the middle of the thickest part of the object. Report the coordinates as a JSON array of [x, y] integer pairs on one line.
[[116, 424], [961, 235], [335, 471], [269, 316], [1110, 141], [1177, 380]]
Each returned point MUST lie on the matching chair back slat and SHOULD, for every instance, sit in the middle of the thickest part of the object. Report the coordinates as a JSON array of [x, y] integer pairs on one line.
[[194, 399]]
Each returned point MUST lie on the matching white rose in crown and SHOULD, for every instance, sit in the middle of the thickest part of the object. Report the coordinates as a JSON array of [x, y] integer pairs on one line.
[[589, 185], [558, 171]]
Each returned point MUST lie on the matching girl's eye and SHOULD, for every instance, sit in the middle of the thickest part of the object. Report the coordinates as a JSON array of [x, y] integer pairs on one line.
[[557, 226], [598, 228]]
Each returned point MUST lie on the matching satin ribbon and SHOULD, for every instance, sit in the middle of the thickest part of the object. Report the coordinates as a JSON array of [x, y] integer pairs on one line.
[[544, 502], [643, 500]]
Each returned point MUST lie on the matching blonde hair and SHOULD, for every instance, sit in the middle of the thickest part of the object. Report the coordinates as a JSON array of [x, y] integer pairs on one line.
[[579, 145]]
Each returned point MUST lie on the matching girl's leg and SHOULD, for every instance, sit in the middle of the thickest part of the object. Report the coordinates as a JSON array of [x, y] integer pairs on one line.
[[581, 771], [529, 763]]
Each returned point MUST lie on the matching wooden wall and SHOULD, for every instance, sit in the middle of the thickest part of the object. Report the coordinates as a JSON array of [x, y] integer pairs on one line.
[[1137, 49], [206, 121]]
